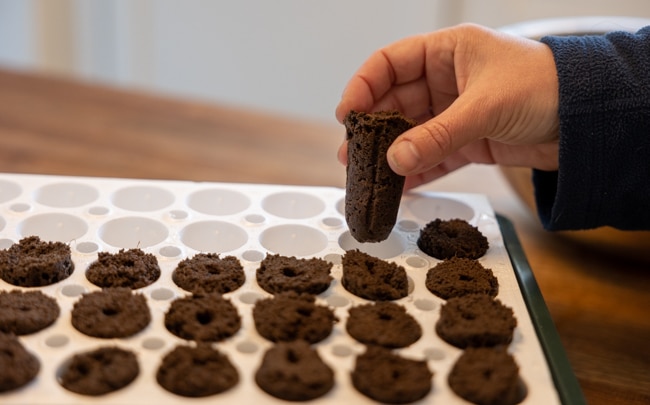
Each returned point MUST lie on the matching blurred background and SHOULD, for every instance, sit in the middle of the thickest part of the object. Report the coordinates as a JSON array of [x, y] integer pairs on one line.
[[291, 57]]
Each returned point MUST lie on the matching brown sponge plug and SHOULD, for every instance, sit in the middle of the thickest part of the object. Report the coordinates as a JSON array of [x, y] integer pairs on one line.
[[373, 189]]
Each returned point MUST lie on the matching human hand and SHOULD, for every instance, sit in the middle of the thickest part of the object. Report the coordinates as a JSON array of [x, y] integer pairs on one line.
[[478, 95]]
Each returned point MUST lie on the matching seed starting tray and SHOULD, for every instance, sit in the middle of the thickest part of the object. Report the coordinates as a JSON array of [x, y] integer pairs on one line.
[[175, 220]]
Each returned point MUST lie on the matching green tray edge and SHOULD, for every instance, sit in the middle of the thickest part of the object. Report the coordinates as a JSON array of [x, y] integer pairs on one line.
[[565, 380]]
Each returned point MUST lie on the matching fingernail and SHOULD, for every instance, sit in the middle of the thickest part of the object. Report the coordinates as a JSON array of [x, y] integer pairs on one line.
[[404, 156]]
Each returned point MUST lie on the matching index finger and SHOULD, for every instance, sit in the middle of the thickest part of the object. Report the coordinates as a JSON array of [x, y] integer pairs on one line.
[[398, 63]]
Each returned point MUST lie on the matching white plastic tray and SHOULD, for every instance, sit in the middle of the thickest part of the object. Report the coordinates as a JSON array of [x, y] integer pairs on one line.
[[175, 220]]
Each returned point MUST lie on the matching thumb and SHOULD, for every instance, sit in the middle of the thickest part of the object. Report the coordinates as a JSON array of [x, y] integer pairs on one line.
[[426, 145]]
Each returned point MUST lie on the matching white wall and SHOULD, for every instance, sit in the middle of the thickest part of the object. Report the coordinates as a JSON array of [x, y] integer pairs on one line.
[[291, 56], [16, 34], [288, 56]]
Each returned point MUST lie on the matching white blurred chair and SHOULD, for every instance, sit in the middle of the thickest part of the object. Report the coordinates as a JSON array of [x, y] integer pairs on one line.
[[535, 29]]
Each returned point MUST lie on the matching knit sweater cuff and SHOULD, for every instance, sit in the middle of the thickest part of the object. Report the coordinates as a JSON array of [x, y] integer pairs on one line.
[[604, 158]]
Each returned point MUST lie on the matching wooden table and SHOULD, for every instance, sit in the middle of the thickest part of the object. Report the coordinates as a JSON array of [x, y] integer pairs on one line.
[[599, 302]]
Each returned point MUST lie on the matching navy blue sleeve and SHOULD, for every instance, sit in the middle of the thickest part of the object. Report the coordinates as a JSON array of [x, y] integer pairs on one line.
[[603, 177]]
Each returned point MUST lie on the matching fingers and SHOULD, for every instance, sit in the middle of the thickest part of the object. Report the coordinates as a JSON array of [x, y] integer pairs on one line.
[[399, 63], [425, 146], [342, 154], [358, 96], [475, 94], [419, 178], [434, 173], [412, 99]]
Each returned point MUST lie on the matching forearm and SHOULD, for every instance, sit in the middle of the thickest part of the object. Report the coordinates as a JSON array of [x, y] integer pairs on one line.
[[604, 161]]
